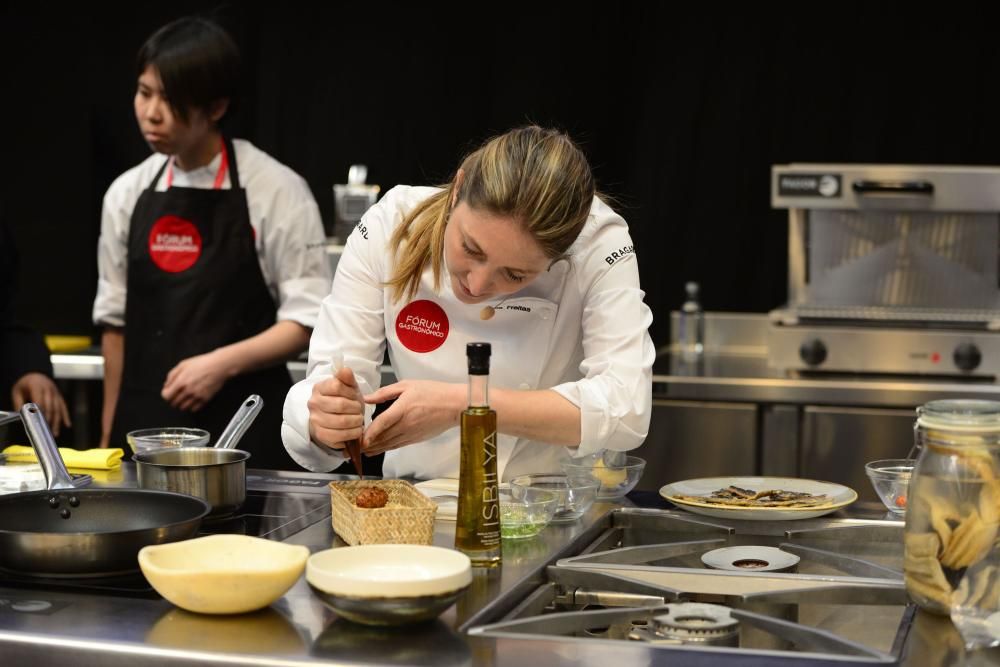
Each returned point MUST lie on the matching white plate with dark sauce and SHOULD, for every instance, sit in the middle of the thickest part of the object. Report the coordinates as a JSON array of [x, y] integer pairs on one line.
[[750, 559]]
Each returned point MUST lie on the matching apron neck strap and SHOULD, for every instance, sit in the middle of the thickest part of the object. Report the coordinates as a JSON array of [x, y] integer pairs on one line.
[[229, 154]]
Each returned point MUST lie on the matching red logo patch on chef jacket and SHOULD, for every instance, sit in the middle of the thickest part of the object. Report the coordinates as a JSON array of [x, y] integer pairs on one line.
[[422, 326], [174, 244]]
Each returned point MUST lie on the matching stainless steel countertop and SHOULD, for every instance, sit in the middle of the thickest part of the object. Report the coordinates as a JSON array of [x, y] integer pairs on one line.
[[80, 629], [89, 365], [716, 377], [721, 376], [734, 368]]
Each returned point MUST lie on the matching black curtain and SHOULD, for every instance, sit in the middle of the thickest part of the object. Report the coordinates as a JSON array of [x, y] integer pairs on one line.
[[681, 111]]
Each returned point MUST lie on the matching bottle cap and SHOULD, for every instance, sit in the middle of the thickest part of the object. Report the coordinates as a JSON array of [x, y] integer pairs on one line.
[[479, 358]]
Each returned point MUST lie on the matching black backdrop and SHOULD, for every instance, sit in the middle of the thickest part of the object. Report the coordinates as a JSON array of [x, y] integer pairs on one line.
[[681, 113]]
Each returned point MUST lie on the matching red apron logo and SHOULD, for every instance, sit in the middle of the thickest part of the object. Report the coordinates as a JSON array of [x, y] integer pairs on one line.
[[422, 326], [174, 244]]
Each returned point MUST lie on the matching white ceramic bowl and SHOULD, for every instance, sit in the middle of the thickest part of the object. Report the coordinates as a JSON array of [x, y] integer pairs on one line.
[[222, 574], [151, 439], [389, 584]]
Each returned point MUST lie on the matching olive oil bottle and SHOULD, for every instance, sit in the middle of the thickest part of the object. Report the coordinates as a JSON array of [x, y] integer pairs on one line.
[[477, 529]]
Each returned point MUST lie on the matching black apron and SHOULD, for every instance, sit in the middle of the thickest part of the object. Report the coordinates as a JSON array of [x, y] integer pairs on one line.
[[195, 284]]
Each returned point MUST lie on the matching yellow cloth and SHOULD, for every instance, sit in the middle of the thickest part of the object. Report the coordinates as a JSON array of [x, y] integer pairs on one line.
[[89, 459], [111, 476], [67, 344]]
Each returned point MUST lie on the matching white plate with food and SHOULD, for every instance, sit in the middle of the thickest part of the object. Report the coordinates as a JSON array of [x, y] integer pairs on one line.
[[758, 498]]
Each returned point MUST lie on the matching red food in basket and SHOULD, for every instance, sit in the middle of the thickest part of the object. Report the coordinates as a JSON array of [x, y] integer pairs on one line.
[[371, 497]]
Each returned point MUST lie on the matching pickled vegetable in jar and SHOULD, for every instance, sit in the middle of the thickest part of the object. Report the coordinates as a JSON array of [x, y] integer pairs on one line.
[[950, 564]]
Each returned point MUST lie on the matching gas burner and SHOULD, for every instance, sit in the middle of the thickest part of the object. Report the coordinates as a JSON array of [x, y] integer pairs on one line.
[[642, 579], [750, 559], [697, 623]]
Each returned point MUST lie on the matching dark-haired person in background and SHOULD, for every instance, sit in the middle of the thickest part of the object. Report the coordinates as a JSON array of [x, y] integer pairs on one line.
[[25, 366], [211, 257]]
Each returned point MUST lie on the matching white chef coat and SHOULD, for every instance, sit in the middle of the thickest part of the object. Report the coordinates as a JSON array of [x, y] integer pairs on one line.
[[288, 231], [580, 329]]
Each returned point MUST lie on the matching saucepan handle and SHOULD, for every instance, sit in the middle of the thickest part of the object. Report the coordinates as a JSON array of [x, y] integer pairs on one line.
[[8, 417], [240, 422]]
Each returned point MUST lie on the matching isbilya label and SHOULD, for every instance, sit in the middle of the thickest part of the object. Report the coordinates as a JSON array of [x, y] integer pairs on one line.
[[491, 489], [809, 185]]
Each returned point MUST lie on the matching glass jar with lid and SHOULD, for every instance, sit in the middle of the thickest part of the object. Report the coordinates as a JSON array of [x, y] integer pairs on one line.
[[953, 512]]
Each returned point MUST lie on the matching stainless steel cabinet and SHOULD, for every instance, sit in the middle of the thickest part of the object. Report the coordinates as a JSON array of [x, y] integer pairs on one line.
[[837, 442], [698, 439], [705, 439]]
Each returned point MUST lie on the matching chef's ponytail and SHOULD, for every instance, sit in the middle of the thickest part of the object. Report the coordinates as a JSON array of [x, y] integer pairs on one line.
[[535, 175]]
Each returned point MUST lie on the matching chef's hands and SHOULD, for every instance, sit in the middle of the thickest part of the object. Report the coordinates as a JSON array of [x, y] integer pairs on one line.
[[422, 410], [40, 389], [336, 410], [193, 382]]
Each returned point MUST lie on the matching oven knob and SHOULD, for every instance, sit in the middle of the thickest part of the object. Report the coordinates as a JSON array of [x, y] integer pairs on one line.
[[813, 352], [967, 356]]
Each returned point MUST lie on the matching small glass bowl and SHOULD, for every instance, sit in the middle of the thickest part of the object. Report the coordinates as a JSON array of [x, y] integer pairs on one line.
[[150, 439], [526, 514], [575, 493], [891, 479], [615, 481]]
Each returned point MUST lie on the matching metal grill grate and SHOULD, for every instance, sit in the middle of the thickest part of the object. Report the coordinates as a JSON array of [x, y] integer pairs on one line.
[[919, 263]]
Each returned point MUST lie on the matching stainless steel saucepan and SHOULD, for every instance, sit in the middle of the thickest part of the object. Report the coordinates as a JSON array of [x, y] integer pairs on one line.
[[215, 474]]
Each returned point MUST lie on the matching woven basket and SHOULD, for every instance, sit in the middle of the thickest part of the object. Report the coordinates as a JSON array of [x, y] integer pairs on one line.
[[408, 517]]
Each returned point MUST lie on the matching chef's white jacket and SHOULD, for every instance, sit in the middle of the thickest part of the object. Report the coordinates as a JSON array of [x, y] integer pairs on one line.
[[581, 329], [288, 232]]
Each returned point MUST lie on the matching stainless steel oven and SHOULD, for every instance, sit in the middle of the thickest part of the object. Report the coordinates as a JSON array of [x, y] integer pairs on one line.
[[892, 269]]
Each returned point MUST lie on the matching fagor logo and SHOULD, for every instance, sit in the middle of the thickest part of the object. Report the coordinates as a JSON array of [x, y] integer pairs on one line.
[[809, 185]]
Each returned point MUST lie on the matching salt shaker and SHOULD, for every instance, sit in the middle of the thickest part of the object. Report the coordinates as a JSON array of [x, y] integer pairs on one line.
[[691, 333]]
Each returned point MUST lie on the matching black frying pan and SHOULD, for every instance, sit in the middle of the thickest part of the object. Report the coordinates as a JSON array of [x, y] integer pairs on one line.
[[69, 532]]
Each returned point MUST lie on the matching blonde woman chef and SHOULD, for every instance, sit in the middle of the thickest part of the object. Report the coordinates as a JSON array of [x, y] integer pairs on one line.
[[517, 250]]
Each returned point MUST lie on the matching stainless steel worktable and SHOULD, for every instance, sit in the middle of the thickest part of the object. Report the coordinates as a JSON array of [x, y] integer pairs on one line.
[[735, 368], [79, 629]]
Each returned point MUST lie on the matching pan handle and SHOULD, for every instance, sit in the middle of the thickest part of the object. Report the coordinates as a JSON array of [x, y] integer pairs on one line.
[[8, 417], [56, 475], [240, 422]]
